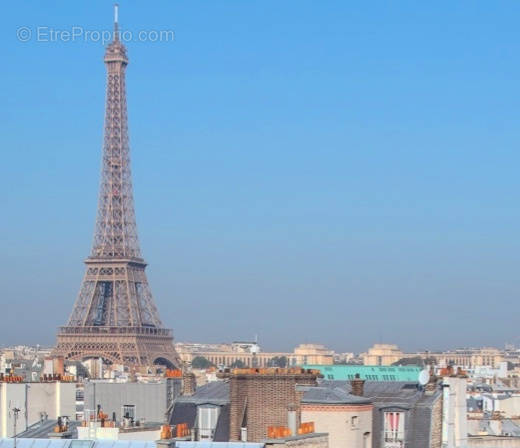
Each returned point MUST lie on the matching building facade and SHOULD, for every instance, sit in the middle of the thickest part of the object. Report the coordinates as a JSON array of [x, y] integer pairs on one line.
[[382, 355], [247, 354], [25, 404], [465, 358], [147, 402], [346, 418]]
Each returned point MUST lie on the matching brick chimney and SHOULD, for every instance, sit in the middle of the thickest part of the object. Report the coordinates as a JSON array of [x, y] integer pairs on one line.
[[189, 383], [264, 397], [358, 386]]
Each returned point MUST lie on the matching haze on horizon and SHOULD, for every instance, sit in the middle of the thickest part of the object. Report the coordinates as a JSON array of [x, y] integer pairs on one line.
[[340, 173]]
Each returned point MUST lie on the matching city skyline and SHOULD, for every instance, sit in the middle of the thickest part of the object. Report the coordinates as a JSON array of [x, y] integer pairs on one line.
[[335, 198]]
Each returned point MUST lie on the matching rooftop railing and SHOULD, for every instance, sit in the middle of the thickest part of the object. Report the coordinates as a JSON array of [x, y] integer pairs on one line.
[[101, 330]]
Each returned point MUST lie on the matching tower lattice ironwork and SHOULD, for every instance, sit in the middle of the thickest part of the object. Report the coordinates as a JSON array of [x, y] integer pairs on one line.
[[115, 316]]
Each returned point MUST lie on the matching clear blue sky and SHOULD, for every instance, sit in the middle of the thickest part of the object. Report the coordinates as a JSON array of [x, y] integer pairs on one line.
[[338, 172]]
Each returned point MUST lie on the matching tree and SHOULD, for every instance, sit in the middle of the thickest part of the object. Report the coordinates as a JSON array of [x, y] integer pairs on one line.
[[278, 361], [415, 361], [238, 364], [199, 362]]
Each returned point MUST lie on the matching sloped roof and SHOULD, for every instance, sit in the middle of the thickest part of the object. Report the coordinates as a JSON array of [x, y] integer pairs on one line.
[[215, 392], [183, 413], [335, 395], [383, 393], [510, 428], [41, 430], [222, 428]]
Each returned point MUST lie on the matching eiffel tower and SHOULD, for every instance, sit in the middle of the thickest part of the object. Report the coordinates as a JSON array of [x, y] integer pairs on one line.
[[115, 317]]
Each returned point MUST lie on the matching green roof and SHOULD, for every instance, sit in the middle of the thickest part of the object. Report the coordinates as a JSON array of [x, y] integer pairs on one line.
[[369, 373]]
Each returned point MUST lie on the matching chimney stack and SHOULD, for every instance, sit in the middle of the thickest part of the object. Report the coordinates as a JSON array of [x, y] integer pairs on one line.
[[292, 419], [357, 385], [189, 383]]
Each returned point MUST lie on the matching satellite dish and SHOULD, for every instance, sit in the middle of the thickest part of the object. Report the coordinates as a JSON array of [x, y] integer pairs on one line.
[[424, 377]]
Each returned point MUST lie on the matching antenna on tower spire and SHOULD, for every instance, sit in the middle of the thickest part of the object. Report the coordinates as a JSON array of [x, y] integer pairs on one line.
[[116, 21]]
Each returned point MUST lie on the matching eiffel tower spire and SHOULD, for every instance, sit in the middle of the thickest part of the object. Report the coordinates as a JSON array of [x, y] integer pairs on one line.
[[115, 316], [116, 22], [116, 230]]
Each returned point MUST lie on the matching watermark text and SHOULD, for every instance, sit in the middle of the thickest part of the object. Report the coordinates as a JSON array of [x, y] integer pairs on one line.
[[81, 34]]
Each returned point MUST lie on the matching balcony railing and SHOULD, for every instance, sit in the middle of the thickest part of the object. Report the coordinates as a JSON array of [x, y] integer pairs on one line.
[[101, 330], [205, 434]]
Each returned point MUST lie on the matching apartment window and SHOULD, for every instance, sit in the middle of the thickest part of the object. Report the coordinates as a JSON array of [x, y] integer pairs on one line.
[[394, 429], [129, 411], [207, 421], [354, 422]]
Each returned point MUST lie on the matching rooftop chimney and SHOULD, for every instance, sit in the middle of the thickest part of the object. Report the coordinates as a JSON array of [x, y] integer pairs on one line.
[[292, 419], [189, 383], [357, 385]]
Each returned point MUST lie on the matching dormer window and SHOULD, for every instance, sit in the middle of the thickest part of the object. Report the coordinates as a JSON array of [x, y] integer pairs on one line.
[[207, 418], [394, 430]]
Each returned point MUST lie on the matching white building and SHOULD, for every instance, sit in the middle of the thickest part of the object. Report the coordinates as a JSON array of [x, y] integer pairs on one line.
[[28, 403]]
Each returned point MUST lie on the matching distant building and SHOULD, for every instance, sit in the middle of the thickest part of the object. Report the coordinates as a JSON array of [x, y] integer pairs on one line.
[[488, 372], [249, 354], [342, 358], [494, 425], [382, 355], [313, 354], [466, 358]]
